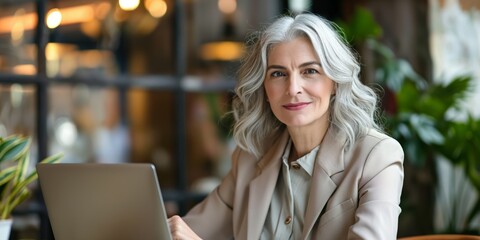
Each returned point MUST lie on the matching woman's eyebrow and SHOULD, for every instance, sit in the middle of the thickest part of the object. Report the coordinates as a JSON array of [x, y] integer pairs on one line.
[[310, 63], [301, 65], [275, 67]]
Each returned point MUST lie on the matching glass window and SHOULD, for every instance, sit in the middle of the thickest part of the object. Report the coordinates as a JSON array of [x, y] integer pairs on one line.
[[209, 139], [17, 109], [454, 40], [106, 38], [85, 124], [152, 123], [454, 47], [17, 31], [18, 113]]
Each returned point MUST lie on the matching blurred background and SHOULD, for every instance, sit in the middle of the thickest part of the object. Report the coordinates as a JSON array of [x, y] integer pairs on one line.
[[150, 81]]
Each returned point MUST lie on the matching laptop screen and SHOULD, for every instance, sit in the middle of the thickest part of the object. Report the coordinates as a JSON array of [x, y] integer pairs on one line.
[[103, 201]]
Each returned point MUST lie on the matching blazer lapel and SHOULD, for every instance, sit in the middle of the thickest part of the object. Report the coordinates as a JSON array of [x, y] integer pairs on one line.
[[262, 187], [328, 162]]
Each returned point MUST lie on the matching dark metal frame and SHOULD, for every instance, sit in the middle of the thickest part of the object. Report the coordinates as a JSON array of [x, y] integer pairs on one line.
[[123, 82]]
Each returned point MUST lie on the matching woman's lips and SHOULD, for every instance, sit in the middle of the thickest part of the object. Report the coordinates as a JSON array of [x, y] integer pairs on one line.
[[296, 106]]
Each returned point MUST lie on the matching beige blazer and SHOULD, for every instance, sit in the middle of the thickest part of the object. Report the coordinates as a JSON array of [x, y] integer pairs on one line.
[[355, 194]]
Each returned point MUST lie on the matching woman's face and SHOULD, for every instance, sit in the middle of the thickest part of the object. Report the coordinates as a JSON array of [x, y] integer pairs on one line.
[[297, 88]]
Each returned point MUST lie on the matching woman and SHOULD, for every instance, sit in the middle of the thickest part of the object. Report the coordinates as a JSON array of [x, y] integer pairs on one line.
[[311, 162]]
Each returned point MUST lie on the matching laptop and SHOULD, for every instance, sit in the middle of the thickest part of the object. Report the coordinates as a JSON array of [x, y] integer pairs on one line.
[[103, 201]]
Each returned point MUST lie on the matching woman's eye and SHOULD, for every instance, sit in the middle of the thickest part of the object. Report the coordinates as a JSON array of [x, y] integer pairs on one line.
[[311, 71], [277, 74]]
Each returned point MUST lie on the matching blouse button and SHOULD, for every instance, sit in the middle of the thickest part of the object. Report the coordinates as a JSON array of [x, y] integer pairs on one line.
[[296, 166], [288, 220]]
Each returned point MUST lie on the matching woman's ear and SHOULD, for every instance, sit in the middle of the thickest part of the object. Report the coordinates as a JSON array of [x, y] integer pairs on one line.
[[334, 89]]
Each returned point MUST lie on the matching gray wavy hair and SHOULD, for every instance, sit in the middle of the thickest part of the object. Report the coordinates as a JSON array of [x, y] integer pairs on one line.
[[352, 110]]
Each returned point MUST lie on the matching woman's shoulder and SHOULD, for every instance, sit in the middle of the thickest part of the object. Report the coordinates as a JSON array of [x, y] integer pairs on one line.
[[377, 144], [242, 157], [374, 133], [375, 137], [378, 152]]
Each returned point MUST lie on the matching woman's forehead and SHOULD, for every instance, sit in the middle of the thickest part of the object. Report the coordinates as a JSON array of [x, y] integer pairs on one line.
[[299, 49]]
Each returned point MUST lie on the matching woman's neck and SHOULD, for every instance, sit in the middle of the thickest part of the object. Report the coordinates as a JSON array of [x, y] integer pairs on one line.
[[305, 139]]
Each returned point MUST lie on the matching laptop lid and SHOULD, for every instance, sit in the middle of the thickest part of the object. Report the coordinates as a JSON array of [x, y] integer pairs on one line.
[[103, 201]]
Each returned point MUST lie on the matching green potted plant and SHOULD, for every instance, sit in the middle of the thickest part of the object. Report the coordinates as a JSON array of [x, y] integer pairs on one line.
[[415, 112], [15, 177]]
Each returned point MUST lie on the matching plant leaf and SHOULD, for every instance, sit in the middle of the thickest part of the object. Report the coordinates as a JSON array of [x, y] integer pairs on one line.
[[13, 148], [425, 128], [52, 159], [7, 174], [360, 27], [22, 167], [13, 201]]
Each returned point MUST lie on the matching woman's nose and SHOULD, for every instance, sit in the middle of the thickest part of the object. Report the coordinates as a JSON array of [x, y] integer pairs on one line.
[[294, 85]]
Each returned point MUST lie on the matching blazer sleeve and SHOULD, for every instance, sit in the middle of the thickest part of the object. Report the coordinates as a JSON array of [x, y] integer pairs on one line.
[[379, 193], [212, 218]]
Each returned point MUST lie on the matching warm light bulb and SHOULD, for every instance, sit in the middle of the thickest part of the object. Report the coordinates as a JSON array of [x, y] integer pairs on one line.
[[25, 69], [222, 51], [17, 32], [156, 8], [54, 18], [227, 6], [18, 27], [128, 5]]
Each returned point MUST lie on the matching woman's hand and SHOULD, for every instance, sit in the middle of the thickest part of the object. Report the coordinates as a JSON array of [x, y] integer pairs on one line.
[[180, 230]]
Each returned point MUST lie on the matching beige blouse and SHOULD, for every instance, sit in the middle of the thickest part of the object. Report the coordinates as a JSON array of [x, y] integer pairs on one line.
[[286, 213]]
